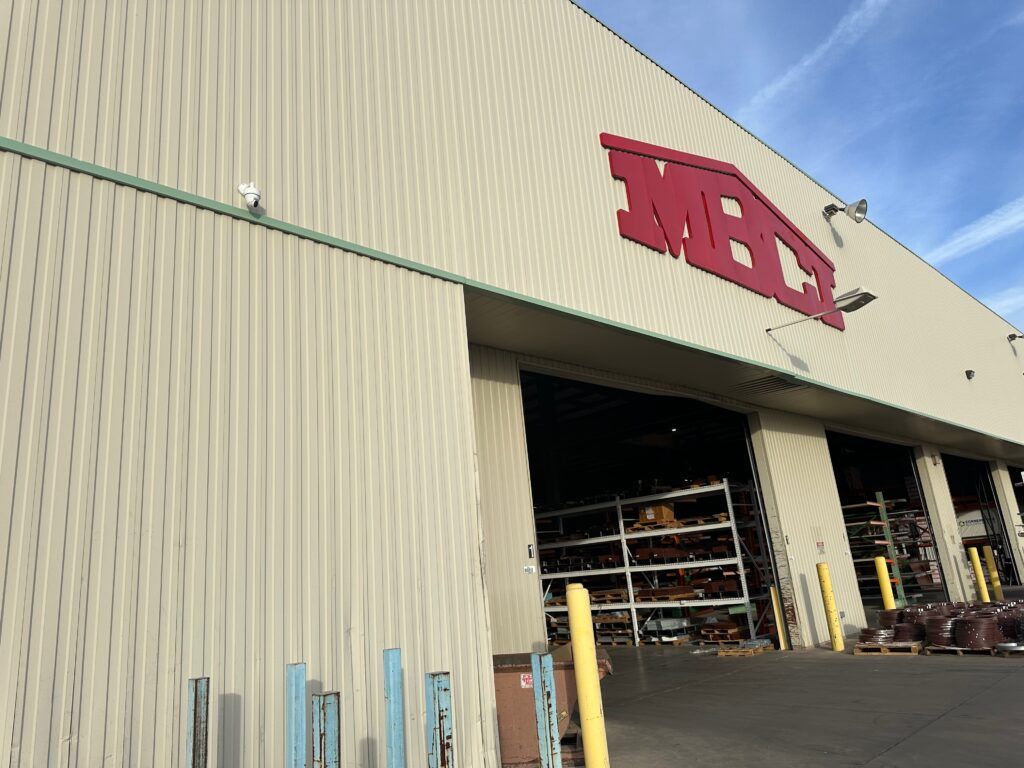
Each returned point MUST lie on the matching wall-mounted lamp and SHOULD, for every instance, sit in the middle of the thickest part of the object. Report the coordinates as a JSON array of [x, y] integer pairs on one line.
[[1015, 337], [857, 211], [850, 301]]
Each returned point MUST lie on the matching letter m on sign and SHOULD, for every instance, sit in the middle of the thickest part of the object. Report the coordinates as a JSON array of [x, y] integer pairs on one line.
[[704, 209]]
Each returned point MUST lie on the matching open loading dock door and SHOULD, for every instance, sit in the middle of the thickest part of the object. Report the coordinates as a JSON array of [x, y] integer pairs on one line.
[[1017, 478], [978, 515], [651, 502], [885, 516]]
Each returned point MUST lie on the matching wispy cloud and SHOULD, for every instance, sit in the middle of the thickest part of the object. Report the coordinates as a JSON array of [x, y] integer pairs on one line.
[[993, 226], [848, 31]]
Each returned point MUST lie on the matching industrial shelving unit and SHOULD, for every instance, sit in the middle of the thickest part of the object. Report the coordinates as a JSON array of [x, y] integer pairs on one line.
[[629, 569], [883, 528]]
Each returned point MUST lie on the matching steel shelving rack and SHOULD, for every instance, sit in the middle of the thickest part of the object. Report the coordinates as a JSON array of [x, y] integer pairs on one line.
[[903, 536], [624, 537]]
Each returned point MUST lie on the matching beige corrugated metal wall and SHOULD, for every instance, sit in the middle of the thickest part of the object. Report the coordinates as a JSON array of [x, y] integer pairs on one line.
[[800, 492], [937, 498], [506, 504], [464, 135], [1011, 513], [223, 449]]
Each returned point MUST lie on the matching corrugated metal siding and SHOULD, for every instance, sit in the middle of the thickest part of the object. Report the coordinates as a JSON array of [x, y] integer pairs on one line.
[[465, 135], [800, 492], [223, 449], [1003, 484], [935, 487], [506, 503]]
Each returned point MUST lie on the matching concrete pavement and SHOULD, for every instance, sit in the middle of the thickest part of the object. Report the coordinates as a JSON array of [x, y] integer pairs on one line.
[[666, 708]]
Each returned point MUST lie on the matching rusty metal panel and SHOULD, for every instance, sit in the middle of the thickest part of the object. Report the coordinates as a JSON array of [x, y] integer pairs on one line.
[[506, 504], [223, 449], [197, 724], [343, 114], [802, 501]]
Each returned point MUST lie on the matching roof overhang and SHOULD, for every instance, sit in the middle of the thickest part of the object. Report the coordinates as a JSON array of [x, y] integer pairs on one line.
[[515, 325]]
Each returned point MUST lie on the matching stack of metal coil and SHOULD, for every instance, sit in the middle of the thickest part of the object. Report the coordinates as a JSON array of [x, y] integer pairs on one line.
[[889, 617], [880, 636], [940, 630], [977, 632], [1009, 622], [918, 614], [906, 632]]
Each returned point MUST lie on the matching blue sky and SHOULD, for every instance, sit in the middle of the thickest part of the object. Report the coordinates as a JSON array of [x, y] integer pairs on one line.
[[914, 104]]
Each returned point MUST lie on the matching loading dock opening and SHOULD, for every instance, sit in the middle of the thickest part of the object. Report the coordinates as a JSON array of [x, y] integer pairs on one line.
[[885, 516], [651, 501], [978, 514], [1017, 478]]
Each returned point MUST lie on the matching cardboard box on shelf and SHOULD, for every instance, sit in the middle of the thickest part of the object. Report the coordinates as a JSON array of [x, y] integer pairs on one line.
[[657, 513]]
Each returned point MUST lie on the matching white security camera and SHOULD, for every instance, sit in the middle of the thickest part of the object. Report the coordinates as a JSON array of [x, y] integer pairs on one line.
[[251, 193]]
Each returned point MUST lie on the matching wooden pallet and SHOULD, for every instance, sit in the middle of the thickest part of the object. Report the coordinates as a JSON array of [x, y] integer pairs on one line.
[[905, 649], [755, 651], [716, 517], [603, 596], [1007, 654], [671, 525], [734, 641], [655, 641], [953, 650], [731, 635], [666, 598], [597, 597]]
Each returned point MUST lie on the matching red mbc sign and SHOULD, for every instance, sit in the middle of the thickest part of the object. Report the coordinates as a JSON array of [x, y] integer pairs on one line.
[[681, 210]]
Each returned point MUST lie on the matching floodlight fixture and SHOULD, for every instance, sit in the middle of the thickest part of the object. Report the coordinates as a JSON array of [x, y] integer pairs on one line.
[[857, 211]]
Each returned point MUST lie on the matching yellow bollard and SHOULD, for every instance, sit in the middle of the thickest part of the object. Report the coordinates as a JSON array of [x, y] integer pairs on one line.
[[588, 684], [993, 572], [979, 576], [835, 629], [780, 626], [885, 583]]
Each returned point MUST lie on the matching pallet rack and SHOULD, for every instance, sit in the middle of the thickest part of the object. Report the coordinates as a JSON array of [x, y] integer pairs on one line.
[[630, 569], [883, 528]]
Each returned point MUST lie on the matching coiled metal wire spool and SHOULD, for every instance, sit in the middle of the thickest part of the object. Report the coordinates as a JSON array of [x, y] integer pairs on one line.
[[906, 632], [889, 617], [1009, 623], [940, 630], [880, 636], [918, 614], [977, 632]]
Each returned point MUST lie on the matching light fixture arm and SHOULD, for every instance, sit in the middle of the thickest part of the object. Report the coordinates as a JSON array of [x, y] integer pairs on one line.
[[801, 320], [830, 210]]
